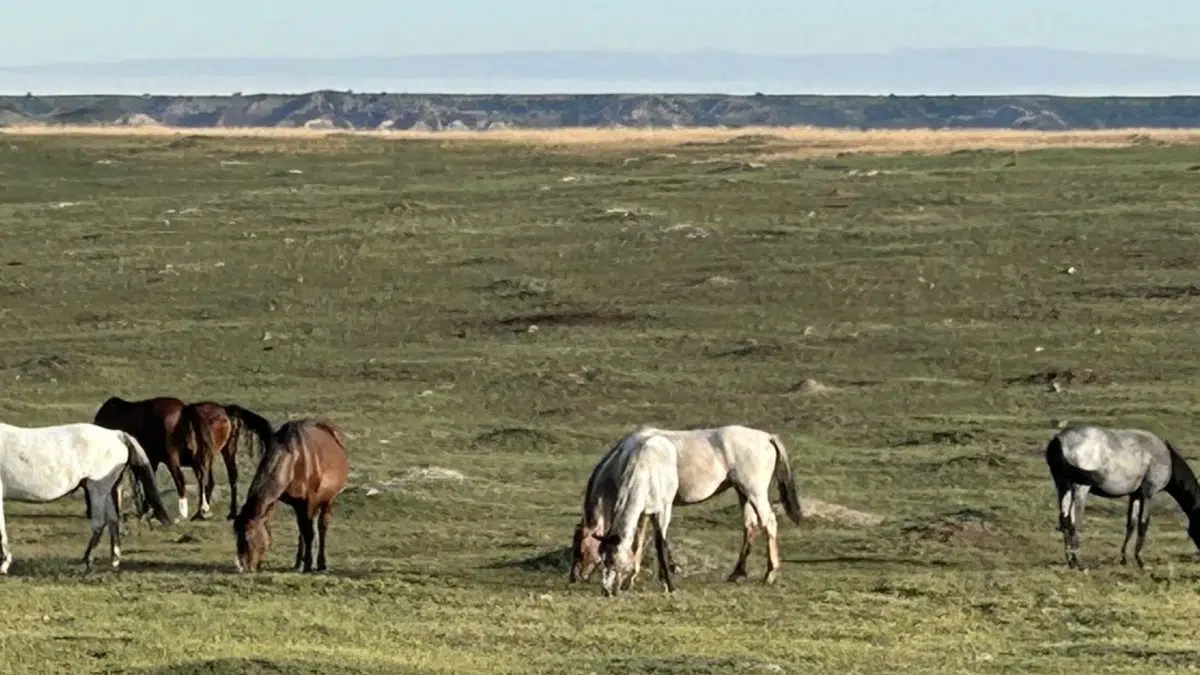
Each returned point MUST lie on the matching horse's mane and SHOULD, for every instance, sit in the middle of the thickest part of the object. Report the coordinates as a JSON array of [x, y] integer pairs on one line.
[[1182, 484], [267, 485]]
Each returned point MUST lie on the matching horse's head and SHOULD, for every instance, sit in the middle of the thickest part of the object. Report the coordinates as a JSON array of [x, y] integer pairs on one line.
[[585, 552], [617, 560], [253, 539]]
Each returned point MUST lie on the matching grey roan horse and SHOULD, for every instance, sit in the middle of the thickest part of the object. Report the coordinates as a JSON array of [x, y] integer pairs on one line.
[[1114, 463]]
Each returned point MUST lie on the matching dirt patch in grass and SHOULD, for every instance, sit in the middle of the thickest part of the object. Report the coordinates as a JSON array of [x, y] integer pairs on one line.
[[1148, 292], [570, 318], [967, 527], [1067, 376], [516, 438]]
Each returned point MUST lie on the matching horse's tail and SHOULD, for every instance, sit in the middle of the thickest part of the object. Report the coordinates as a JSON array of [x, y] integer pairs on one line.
[[1055, 459], [258, 425], [786, 482], [145, 492]]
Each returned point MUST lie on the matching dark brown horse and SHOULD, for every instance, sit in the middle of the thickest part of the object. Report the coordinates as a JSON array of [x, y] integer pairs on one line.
[[208, 429], [305, 467], [151, 421], [159, 425]]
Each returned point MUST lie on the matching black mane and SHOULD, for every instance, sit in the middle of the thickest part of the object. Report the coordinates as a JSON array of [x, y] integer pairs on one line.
[[1183, 485]]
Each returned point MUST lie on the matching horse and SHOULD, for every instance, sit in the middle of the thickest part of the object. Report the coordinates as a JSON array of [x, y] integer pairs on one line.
[[710, 461], [152, 422], [43, 464], [206, 429], [305, 466], [175, 435], [646, 481], [1113, 463]]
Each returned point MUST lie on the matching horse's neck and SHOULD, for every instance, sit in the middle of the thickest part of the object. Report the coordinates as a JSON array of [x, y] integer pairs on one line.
[[628, 508]]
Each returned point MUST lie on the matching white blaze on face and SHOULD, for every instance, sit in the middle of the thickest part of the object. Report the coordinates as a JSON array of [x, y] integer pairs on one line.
[[609, 580]]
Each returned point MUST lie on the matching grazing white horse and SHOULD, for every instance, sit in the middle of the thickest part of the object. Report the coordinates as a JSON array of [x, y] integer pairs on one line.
[[646, 486], [44, 464], [710, 461]]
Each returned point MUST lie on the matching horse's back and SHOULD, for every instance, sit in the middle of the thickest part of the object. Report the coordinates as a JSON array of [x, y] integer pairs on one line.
[[44, 463], [1115, 461], [711, 459], [327, 461]]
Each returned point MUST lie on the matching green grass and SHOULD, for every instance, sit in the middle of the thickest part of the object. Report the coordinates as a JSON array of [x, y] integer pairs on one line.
[[397, 282]]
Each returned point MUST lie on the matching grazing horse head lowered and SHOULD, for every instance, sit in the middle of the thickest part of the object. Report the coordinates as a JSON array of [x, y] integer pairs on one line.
[[304, 466], [1114, 463], [709, 461]]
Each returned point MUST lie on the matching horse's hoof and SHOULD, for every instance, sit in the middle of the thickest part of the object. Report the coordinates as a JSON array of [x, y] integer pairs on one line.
[[769, 578], [735, 577], [676, 569]]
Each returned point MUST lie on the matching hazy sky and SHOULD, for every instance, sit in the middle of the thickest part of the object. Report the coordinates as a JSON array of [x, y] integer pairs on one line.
[[49, 31]]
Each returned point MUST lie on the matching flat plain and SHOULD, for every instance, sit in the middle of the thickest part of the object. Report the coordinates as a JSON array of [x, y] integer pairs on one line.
[[486, 317]]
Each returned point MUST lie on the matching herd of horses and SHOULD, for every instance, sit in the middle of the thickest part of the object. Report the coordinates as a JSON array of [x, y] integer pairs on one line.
[[646, 473], [631, 490], [302, 464]]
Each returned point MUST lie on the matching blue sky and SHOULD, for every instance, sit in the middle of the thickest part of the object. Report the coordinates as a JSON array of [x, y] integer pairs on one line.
[[47, 31]]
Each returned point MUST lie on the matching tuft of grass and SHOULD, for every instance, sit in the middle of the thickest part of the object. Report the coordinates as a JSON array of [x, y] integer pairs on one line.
[[484, 329]]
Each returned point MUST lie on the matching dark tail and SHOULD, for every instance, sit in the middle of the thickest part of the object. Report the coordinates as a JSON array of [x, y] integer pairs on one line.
[[257, 424], [193, 430], [145, 491], [1056, 461], [786, 482]]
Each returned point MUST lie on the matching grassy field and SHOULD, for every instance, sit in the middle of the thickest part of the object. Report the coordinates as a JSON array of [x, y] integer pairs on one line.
[[395, 287]]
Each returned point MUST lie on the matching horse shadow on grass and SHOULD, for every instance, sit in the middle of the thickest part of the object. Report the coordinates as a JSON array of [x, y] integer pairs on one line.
[[557, 561], [260, 665], [176, 567]]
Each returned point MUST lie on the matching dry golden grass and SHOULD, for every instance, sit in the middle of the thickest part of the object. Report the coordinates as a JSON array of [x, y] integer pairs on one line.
[[764, 143]]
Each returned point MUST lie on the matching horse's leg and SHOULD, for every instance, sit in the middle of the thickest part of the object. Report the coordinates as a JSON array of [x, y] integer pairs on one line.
[[661, 522], [1143, 527], [100, 509], [1075, 542], [5, 552], [176, 472], [200, 468], [206, 505], [749, 534], [639, 550], [230, 457], [322, 528], [1131, 520], [304, 523], [766, 519], [114, 525]]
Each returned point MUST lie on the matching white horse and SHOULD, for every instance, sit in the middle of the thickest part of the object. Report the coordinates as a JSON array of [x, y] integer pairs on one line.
[[43, 464], [646, 488], [710, 461]]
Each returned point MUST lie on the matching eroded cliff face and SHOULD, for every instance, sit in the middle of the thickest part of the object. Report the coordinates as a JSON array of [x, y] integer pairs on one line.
[[346, 110]]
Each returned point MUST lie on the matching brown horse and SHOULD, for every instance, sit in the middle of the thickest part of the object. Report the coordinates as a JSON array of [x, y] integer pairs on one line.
[[305, 467], [205, 430], [151, 421], [159, 425]]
